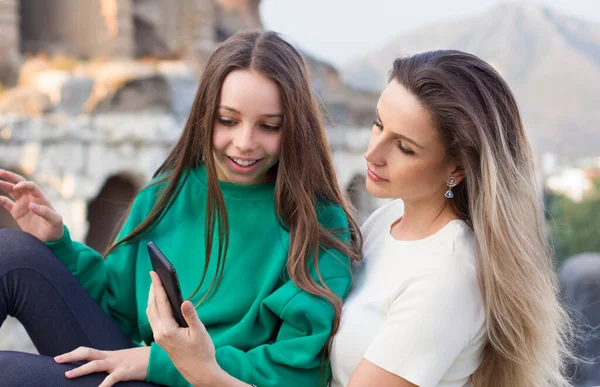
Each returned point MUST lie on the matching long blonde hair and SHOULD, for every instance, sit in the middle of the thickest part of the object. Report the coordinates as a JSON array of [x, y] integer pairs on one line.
[[529, 332]]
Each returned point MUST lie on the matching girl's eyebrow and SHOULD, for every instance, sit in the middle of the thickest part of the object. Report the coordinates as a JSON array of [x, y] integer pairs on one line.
[[274, 115]]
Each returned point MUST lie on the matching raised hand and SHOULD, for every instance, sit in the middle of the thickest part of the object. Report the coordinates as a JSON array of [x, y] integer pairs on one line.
[[29, 207]]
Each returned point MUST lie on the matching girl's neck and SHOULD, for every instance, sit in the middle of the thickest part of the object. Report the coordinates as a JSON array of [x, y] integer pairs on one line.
[[421, 220]]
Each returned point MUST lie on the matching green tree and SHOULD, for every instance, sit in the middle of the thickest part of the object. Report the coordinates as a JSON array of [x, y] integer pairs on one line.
[[574, 226]]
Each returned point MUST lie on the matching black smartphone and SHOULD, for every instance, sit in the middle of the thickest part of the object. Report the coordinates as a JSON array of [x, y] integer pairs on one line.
[[166, 272]]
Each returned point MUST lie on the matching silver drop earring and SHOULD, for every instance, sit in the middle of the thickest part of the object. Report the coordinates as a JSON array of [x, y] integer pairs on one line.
[[451, 184]]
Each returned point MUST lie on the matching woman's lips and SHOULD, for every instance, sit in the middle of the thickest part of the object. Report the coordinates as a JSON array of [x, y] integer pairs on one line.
[[373, 176]]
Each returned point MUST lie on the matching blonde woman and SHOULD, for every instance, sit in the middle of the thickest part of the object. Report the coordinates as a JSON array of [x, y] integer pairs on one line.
[[457, 286]]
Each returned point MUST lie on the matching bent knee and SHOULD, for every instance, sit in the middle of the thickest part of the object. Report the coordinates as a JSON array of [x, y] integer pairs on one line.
[[9, 236], [19, 247]]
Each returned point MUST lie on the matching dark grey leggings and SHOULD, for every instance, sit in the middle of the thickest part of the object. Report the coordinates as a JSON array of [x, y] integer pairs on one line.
[[57, 312]]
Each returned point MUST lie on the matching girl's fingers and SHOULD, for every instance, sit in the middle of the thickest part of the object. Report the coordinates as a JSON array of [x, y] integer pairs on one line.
[[151, 296], [88, 368], [163, 307], [79, 354], [51, 216], [32, 189], [155, 278], [7, 203], [110, 380], [151, 310], [11, 176], [7, 188], [191, 317]]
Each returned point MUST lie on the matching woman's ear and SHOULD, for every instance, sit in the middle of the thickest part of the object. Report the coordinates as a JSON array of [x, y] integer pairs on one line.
[[458, 173]]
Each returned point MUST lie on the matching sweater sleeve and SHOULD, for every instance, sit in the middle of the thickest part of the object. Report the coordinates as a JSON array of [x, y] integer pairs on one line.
[[161, 369], [295, 357], [110, 281]]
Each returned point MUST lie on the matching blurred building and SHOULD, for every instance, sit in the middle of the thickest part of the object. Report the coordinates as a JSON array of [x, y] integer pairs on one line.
[[122, 28], [92, 128]]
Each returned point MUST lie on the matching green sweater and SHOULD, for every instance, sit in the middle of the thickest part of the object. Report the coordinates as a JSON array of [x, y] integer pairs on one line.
[[255, 296]]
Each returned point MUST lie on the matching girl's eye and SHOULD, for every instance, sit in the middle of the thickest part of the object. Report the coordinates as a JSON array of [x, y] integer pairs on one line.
[[225, 122], [270, 128], [378, 124]]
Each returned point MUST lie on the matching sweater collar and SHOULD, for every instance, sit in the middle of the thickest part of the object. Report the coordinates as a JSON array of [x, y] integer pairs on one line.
[[230, 190]]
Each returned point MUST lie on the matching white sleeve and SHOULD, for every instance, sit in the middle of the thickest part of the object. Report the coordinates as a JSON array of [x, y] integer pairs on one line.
[[429, 324]]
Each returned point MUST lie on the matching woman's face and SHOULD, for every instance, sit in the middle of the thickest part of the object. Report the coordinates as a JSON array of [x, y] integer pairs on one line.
[[406, 158], [247, 128]]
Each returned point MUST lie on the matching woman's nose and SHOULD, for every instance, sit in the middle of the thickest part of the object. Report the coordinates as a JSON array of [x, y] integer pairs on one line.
[[374, 154]]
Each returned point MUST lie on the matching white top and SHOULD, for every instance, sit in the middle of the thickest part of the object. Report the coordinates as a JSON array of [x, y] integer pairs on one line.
[[416, 309]]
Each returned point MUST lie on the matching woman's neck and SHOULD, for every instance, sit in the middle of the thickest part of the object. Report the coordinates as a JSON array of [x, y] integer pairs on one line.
[[421, 220]]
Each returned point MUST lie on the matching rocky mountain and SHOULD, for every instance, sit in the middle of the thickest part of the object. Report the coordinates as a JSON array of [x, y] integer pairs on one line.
[[551, 61]]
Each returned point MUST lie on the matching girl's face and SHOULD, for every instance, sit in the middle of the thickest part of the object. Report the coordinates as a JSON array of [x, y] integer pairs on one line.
[[247, 129], [406, 158]]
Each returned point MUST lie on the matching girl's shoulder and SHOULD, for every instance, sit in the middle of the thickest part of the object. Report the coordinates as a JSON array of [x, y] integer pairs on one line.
[[154, 188], [331, 215], [159, 183]]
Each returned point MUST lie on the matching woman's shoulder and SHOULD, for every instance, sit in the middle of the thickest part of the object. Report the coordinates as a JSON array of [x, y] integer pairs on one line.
[[451, 251], [443, 268], [464, 246], [464, 234], [447, 258], [452, 264]]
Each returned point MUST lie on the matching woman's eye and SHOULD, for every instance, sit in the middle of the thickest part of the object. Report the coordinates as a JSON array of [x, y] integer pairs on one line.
[[405, 150], [378, 124]]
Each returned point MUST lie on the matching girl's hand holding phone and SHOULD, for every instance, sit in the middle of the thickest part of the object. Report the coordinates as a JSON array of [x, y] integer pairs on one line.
[[29, 207], [191, 349]]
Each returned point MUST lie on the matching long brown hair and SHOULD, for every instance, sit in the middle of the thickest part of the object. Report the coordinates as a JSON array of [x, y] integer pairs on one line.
[[479, 123], [305, 173]]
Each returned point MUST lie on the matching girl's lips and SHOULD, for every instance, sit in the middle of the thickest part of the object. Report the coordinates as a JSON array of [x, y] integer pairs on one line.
[[243, 158], [240, 168]]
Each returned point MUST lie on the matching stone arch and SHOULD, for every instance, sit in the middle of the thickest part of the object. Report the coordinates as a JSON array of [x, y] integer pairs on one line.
[[6, 220], [106, 213], [360, 198]]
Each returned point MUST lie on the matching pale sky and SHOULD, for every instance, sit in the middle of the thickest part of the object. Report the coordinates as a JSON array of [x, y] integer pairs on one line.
[[340, 30]]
